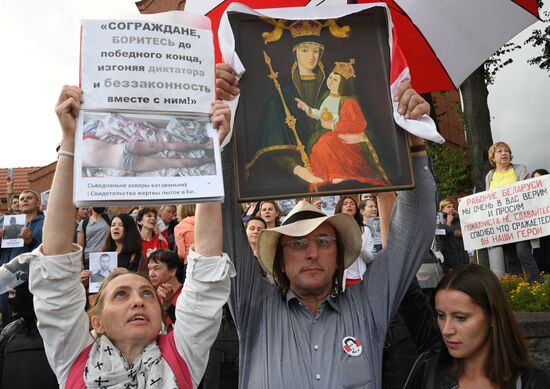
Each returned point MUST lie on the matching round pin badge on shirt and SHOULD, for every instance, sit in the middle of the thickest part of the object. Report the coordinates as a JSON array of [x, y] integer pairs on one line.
[[352, 346]]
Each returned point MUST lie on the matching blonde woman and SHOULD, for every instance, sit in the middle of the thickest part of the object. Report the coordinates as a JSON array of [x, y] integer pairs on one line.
[[516, 257]]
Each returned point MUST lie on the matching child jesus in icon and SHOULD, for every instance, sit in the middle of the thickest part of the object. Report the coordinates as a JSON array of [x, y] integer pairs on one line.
[[335, 155]]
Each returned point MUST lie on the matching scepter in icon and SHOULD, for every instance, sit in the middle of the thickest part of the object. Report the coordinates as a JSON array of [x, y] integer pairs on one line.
[[290, 120]]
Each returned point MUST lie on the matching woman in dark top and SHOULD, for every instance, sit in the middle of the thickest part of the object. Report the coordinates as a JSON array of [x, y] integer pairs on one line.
[[452, 245], [124, 238], [483, 345]]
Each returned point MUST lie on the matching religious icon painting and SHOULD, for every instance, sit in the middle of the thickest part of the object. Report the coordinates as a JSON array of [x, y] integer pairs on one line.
[[315, 113]]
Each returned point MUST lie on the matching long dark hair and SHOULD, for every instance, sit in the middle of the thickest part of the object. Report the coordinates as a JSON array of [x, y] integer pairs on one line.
[[131, 243], [507, 347], [358, 218], [541, 172]]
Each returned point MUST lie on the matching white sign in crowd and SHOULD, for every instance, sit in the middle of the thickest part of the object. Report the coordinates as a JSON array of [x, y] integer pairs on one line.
[[513, 213]]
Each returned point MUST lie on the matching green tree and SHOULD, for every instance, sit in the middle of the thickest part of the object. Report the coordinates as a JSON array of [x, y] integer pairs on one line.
[[452, 170], [540, 37], [477, 124]]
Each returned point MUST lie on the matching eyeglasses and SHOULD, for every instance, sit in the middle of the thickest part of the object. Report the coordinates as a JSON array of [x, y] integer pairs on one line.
[[303, 243]]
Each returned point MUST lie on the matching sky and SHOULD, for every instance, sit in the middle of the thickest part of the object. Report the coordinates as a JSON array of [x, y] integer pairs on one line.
[[40, 44], [519, 107]]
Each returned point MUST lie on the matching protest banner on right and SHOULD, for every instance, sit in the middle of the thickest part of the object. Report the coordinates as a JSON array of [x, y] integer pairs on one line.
[[516, 212]]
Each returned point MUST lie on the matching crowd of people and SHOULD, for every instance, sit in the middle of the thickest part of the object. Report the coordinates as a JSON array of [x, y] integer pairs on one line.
[[224, 297], [311, 294]]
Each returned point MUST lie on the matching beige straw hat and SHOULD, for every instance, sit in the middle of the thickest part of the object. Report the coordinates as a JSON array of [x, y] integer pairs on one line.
[[302, 220]]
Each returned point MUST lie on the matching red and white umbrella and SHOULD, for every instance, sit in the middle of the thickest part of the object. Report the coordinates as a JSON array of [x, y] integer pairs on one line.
[[444, 41]]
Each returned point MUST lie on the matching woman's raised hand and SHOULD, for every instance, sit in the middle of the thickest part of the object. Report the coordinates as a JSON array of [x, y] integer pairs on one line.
[[67, 108]]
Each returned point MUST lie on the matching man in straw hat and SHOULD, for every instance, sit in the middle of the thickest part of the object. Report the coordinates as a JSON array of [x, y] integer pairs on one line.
[[297, 333]]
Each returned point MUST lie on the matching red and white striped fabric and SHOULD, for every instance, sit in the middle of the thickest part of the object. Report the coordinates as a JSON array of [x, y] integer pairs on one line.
[[423, 127], [444, 41]]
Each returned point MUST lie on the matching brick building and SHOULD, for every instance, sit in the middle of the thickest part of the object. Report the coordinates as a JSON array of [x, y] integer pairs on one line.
[[37, 178], [448, 112]]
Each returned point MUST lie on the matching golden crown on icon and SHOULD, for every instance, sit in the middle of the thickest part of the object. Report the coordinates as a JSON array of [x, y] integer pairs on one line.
[[345, 69], [301, 28], [305, 28]]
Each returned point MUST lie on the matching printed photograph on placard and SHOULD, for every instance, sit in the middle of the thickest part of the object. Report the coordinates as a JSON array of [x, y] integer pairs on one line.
[[101, 265], [13, 225], [130, 145], [315, 111], [328, 204], [286, 205], [44, 197], [374, 224]]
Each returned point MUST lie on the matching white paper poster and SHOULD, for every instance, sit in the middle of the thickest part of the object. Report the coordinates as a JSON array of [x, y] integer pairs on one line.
[[146, 65], [513, 213], [144, 134]]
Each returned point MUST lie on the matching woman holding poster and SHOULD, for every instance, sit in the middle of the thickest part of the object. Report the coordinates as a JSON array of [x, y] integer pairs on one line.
[[126, 350], [517, 257]]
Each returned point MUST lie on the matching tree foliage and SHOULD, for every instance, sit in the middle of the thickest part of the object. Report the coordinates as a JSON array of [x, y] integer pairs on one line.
[[452, 170], [540, 37], [499, 60]]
